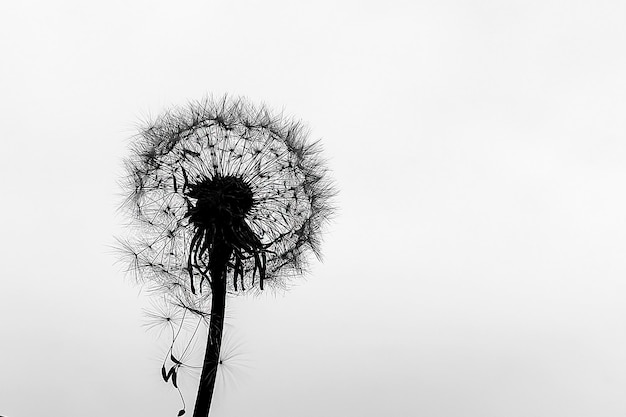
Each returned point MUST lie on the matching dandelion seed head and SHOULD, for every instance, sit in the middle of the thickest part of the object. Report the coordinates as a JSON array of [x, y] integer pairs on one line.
[[224, 170]]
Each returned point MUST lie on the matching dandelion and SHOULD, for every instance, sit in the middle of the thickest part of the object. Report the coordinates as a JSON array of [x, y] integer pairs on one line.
[[226, 198]]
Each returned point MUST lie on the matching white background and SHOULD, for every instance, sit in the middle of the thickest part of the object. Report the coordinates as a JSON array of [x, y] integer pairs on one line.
[[476, 266]]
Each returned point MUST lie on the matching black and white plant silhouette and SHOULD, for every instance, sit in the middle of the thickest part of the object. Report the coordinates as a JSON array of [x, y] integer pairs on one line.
[[225, 197]]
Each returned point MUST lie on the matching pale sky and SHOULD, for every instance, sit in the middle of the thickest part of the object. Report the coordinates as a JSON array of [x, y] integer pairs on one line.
[[475, 268]]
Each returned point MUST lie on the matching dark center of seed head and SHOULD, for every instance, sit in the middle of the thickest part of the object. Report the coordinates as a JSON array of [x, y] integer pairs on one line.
[[220, 201]]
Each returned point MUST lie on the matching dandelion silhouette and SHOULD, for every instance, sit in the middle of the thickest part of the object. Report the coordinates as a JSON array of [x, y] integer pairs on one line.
[[225, 198]]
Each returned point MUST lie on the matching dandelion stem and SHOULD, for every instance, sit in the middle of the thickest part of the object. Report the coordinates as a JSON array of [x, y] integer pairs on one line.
[[218, 267]]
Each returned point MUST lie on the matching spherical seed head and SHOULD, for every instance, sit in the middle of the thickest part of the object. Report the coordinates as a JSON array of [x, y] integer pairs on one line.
[[225, 169]]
